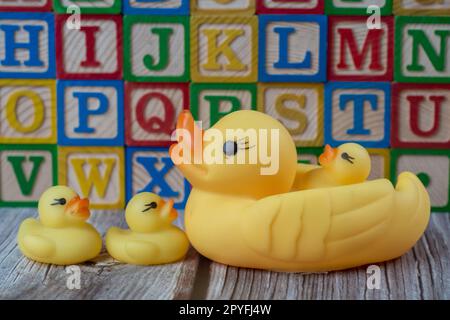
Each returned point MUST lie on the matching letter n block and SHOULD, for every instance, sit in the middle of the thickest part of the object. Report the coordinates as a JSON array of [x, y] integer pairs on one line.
[[26, 172], [358, 112], [423, 52], [298, 106], [152, 170], [25, 5], [422, 7], [381, 164], [27, 45], [156, 7], [433, 169], [90, 112], [88, 6], [357, 53], [421, 116], [290, 6], [94, 51], [156, 49], [96, 173], [151, 112], [219, 7], [224, 49], [357, 7], [292, 48]]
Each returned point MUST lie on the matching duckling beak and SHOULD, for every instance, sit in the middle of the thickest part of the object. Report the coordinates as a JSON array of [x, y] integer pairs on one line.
[[328, 155], [78, 208], [168, 210], [186, 123]]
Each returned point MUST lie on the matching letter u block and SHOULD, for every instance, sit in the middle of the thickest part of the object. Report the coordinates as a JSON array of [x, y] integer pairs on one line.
[[96, 173], [90, 113], [27, 45], [156, 49], [88, 6], [219, 7], [26, 5], [357, 7], [152, 170], [358, 112], [290, 6], [422, 7], [156, 7]]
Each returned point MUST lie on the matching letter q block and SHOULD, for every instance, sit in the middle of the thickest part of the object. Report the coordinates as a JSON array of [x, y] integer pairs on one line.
[[25, 5], [290, 6]]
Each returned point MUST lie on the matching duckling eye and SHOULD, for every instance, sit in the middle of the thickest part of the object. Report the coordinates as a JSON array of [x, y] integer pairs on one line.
[[347, 157], [60, 201], [230, 148], [151, 205]]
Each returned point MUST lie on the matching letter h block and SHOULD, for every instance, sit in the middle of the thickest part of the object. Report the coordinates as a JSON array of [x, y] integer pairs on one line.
[[26, 5], [358, 7], [422, 7], [156, 7], [290, 6], [88, 6]]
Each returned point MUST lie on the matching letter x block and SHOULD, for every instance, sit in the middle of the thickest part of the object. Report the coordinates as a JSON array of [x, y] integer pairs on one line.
[[290, 6], [242, 7], [357, 53], [422, 7], [357, 7], [88, 6], [156, 7], [25, 5], [26, 172], [92, 52], [358, 112], [152, 170], [423, 52], [27, 48]]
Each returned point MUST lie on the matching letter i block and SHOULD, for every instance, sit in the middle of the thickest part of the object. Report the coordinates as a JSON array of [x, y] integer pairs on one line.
[[27, 111], [25, 5], [292, 48], [423, 52], [224, 49], [358, 7], [360, 54], [243, 7], [96, 173], [298, 106], [156, 49], [422, 7], [433, 169], [156, 7], [358, 112], [309, 155], [151, 112], [26, 172], [27, 45], [90, 113], [421, 116], [152, 170], [290, 6], [210, 102], [94, 51], [88, 6], [381, 164]]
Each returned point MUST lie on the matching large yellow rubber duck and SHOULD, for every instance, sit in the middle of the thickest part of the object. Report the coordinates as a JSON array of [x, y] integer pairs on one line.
[[237, 216], [61, 235], [151, 239]]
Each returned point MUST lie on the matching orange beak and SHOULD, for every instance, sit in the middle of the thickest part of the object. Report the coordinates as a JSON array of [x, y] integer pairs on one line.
[[169, 211], [78, 208], [328, 155], [186, 122]]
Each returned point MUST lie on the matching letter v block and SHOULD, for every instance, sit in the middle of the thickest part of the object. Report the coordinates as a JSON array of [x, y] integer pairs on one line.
[[26, 172], [25, 5], [94, 51], [156, 7], [96, 173], [422, 7], [423, 52], [156, 49], [88, 6], [152, 170], [357, 7], [220, 7], [290, 6]]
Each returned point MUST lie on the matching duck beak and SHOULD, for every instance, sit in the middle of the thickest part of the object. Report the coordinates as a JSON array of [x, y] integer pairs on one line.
[[328, 155], [78, 208], [189, 133], [168, 210]]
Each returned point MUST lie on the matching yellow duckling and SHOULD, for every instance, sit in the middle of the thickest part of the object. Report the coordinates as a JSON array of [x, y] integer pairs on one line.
[[238, 216], [61, 235], [151, 239]]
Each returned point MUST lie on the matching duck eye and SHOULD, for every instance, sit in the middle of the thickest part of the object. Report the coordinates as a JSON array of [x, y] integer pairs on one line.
[[60, 201], [230, 148], [151, 205], [347, 157]]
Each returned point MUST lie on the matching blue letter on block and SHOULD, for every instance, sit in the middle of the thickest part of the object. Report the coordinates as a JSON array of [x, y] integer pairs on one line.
[[32, 46], [358, 110], [84, 112], [283, 61], [157, 176]]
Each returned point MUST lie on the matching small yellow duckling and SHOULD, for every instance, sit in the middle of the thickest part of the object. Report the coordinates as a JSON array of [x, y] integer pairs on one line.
[[61, 235], [151, 239]]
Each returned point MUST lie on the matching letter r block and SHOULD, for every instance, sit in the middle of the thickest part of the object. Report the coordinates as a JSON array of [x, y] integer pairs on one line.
[[357, 7], [422, 7], [290, 6], [156, 7], [25, 5], [88, 6]]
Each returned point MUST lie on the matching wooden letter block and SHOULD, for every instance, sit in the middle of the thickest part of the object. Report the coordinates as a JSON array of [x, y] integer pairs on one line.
[[25, 5], [151, 112], [27, 45], [156, 7], [156, 49], [224, 49], [357, 53], [290, 6], [309, 155], [27, 111], [90, 112], [358, 112], [423, 52], [357, 7], [152, 170], [88, 6], [422, 7], [210, 102], [421, 116], [96, 173], [26, 172], [240, 7], [381, 164], [292, 48], [433, 169], [298, 106]]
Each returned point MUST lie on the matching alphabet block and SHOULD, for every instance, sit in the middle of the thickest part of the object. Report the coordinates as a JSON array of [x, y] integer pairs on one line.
[[90, 112], [241, 7], [156, 7], [422, 7], [381, 164], [26, 171], [94, 172], [433, 169], [27, 111], [27, 45], [298, 106], [292, 48], [359, 112], [421, 116], [357, 7], [290, 6], [156, 49], [423, 53], [151, 170], [309, 155], [25, 5], [224, 49], [210, 102], [357, 53], [88, 6], [151, 112]]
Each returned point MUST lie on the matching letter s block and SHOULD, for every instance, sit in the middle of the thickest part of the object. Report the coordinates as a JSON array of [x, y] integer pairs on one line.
[[219, 7], [88, 6], [357, 7], [422, 7], [26, 5], [290, 6], [156, 7]]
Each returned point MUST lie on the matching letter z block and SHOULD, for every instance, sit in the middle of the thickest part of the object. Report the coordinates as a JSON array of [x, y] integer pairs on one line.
[[25, 5], [357, 7], [219, 7], [152, 170], [422, 7], [88, 6], [290, 6], [96, 173], [156, 7], [26, 172], [358, 112]]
